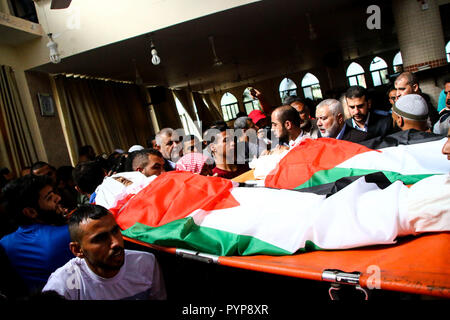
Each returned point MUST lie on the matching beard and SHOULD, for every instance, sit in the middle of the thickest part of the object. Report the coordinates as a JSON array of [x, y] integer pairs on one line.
[[283, 137], [361, 118], [176, 153], [114, 261], [52, 217], [332, 131]]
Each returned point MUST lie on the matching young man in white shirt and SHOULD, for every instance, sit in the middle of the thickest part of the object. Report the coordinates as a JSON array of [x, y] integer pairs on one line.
[[103, 269]]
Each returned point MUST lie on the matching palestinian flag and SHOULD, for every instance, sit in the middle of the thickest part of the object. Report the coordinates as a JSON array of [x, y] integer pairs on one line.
[[324, 161], [403, 137], [214, 215]]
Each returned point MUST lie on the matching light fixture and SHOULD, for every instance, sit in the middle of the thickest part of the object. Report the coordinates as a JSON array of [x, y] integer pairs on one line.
[[312, 32], [138, 79], [217, 62], [155, 59], [55, 57]]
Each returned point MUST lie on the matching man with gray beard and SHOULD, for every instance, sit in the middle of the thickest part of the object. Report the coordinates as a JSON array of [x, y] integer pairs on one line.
[[331, 124]]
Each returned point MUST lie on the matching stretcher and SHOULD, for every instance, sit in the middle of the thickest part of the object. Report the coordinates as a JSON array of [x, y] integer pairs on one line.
[[417, 265], [414, 265]]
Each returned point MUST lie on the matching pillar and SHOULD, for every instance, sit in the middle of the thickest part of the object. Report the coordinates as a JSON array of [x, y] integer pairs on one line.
[[421, 39]]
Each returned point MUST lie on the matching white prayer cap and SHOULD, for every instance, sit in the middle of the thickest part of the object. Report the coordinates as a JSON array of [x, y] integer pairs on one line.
[[136, 147], [411, 106]]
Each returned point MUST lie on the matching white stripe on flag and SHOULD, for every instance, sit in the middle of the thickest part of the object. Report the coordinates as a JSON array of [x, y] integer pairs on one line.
[[420, 158], [273, 216], [360, 214]]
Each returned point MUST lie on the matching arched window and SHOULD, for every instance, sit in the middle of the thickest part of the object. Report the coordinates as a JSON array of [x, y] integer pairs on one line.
[[379, 71], [311, 87], [355, 75], [287, 88], [230, 107], [447, 51], [250, 104], [398, 63], [187, 122]]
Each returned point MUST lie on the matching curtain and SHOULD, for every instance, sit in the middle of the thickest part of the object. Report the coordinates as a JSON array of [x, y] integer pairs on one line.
[[206, 115], [166, 110], [16, 144], [104, 114], [185, 98], [213, 106]]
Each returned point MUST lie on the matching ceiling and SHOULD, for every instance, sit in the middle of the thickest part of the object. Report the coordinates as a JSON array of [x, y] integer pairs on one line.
[[15, 31], [256, 41], [13, 36]]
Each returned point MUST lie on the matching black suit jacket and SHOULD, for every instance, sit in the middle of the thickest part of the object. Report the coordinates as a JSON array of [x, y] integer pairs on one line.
[[168, 165], [352, 134], [378, 125]]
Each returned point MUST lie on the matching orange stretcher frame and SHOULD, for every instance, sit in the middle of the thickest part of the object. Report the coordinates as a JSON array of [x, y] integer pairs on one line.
[[415, 264], [418, 265]]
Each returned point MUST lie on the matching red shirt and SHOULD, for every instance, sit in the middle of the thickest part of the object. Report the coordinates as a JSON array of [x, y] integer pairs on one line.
[[241, 168]]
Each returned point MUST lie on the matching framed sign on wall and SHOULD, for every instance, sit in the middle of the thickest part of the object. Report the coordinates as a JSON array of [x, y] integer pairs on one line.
[[46, 104]]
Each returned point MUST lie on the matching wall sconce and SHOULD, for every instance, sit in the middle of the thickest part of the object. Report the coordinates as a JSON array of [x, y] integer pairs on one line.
[[423, 4], [55, 57], [155, 59]]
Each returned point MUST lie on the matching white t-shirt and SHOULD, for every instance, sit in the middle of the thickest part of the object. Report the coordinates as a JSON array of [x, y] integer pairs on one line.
[[138, 279]]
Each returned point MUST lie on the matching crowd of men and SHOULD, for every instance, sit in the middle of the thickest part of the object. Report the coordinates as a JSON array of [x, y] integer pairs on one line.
[[55, 240]]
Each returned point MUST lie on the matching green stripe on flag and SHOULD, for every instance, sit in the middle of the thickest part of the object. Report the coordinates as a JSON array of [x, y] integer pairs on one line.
[[184, 233], [332, 175]]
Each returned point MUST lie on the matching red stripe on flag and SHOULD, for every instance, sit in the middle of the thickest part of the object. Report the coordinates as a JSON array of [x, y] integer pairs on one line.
[[174, 195], [310, 156]]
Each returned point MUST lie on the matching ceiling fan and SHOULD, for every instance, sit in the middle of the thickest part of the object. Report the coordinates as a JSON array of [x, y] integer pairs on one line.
[[217, 62], [60, 4]]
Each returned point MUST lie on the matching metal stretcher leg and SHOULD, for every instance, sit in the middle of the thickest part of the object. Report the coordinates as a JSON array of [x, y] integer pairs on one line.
[[338, 278]]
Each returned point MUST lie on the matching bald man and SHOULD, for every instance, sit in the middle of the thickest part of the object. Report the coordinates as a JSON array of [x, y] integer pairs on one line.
[[407, 83]]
